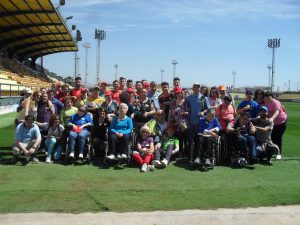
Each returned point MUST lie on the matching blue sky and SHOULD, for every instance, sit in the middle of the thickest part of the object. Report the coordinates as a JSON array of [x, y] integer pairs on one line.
[[208, 38]]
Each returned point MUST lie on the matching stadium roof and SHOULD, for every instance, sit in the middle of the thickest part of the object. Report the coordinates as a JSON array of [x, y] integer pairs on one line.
[[30, 29]]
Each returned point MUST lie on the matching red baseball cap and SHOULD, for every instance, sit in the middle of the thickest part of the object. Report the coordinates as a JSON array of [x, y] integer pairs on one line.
[[103, 83], [146, 84], [177, 90], [130, 90]]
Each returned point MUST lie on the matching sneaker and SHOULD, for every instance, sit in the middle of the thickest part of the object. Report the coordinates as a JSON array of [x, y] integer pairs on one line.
[[80, 156], [242, 161], [278, 157], [151, 167], [197, 160], [111, 156], [207, 162], [157, 163], [35, 160], [259, 149], [118, 156], [71, 155], [123, 156], [48, 159], [164, 163], [144, 168]]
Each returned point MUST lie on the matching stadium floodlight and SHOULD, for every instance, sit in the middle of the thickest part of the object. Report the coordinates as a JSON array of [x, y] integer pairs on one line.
[[99, 36], [116, 72], [273, 43], [174, 63], [162, 75], [62, 2], [77, 39], [68, 18], [234, 73], [73, 27]]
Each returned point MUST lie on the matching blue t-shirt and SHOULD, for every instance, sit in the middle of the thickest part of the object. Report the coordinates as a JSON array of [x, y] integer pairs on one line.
[[25, 134], [196, 104], [81, 120], [124, 126], [254, 110], [154, 98], [205, 124]]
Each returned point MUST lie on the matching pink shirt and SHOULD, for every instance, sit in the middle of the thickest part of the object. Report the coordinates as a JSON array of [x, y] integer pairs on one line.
[[272, 107], [225, 114]]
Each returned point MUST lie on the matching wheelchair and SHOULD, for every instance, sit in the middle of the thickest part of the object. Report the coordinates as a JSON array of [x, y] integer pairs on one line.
[[117, 161], [214, 154], [235, 154]]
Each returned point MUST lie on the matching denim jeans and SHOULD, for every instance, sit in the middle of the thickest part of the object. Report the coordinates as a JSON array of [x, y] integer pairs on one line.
[[165, 154], [246, 143], [82, 135]]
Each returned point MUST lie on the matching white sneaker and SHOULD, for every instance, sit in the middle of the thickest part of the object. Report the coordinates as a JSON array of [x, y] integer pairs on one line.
[[71, 155], [118, 156], [164, 163], [207, 162], [151, 167], [111, 156], [278, 157], [144, 168], [123, 156], [80, 156], [35, 160], [197, 160], [259, 149], [157, 163], [48, 159]]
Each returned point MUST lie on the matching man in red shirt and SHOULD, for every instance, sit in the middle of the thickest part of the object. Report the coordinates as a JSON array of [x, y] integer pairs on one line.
[[65, 92], [122, 83], [78, 88], [165, 98], [115, 94], [138, 88]]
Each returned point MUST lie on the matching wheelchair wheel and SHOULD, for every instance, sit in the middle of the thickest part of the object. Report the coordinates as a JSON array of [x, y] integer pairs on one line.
[[218, 151]]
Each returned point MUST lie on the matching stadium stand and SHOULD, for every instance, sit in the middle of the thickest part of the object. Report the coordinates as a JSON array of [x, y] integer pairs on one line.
[[29, 30]]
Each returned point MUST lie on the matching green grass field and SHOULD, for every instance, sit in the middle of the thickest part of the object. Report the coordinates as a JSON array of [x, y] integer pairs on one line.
[[86, 188]]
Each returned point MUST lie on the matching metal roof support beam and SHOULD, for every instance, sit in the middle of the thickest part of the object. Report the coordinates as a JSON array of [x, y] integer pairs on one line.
[[22, 38], [24, 26], [21, 47], [16, 13]]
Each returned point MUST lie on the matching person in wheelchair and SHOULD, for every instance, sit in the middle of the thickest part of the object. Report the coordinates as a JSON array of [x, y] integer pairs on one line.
[[144, 153], [119, 131], [264, 146], [79, 123], [208, 130], [242, 133], [99, 132]]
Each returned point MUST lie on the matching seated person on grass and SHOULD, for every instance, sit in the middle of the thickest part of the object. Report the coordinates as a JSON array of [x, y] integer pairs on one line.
[[168, 146], [264, 146], [145, 150], [208, 130], [27, 140], [243, 131]]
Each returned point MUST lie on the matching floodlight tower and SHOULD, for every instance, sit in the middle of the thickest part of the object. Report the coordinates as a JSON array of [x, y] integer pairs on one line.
[[174, 63], [99, 36], [234, 76], [269, 80], [162, 75], [77, 39], [116, 72], [86, 46], [273, 43]]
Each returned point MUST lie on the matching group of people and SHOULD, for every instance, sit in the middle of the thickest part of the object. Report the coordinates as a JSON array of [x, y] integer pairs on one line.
[[166, 122]]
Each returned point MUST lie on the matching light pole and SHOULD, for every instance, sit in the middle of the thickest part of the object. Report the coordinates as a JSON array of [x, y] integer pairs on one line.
[[116, 72], [76, 58], [174, 63], [86, 46], [99, 35], [162, 75], [233, 75], [273, 43], [269, 80]]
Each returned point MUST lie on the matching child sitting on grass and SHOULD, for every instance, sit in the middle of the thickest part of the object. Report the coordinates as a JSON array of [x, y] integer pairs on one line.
[[168, 146], [145, 149]]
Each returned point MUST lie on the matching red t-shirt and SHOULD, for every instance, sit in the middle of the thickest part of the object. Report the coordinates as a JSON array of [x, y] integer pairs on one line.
[[77, 92], [115, 95]]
